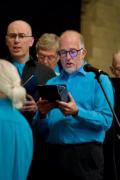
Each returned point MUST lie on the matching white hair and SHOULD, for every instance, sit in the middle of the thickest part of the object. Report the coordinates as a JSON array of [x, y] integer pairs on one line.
[[10, 84]]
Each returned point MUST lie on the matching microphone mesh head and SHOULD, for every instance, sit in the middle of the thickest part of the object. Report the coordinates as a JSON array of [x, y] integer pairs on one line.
[[87, 67]]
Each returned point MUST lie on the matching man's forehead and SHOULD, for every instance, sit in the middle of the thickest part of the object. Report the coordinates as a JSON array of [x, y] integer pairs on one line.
[[19, 26], [46, 51]]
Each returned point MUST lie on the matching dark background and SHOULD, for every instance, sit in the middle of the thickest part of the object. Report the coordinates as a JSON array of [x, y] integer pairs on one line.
[[43, 16]]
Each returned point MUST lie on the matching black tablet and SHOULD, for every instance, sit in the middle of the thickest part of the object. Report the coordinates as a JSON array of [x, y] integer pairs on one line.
[[53, 92]]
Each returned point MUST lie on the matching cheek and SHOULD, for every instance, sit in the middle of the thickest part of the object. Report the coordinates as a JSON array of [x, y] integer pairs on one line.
[[39, 60], [118, 72], [26, 43], [9, 43], [78, 63], [62, 62]]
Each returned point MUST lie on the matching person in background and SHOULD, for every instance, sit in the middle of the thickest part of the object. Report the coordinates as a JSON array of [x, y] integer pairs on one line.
[[46, 51], [115, 68], [112, 141], [19, 40], [16, 140], [73, 132]]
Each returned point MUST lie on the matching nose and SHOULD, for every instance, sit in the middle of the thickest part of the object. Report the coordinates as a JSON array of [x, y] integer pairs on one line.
[[45, 59], [17, 38], [68, 55]]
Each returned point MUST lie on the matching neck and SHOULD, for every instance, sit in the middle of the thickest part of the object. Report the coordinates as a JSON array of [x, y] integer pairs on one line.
[[21, 60], [2, 95]]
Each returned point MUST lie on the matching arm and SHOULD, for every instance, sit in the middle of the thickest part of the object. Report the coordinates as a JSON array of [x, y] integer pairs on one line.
[[99, 116]]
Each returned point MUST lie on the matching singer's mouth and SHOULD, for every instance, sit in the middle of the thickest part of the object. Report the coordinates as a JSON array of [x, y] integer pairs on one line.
[[16, 49], [69, 64]]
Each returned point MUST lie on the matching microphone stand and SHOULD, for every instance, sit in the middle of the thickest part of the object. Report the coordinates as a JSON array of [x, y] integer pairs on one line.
[[112, 110], [114, 115]]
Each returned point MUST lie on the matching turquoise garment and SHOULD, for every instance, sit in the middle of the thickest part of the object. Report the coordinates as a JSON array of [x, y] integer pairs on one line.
[[94, 117], [57, 70], [16, 143], [19, 67]]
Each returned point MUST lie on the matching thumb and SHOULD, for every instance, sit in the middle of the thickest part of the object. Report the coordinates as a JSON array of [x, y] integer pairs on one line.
[[70, 97], [29, 97]]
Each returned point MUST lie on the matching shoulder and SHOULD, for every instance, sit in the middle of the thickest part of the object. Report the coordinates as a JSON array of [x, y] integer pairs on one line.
[[54, 80]]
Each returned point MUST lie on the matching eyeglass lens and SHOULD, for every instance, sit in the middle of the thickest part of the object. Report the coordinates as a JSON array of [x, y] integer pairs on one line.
[[19, 35], [72, 52]]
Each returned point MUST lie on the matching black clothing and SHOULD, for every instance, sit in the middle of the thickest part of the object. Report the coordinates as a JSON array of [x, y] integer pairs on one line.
[[59, 161], [112, 140], [32, 67], [41, 72]]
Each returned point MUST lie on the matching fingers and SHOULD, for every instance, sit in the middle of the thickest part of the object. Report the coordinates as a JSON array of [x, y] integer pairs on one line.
[[29, 108], [29, 97], [30, 105]]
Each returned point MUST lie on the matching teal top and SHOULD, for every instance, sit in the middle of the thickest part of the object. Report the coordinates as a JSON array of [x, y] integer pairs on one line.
[[16, 143], [19, 67]]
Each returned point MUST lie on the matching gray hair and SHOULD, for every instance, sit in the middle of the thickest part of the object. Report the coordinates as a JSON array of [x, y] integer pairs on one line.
[[47, 41]]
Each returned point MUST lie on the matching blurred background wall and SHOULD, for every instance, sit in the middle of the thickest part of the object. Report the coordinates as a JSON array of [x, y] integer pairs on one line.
[[100, 25], [44, 16], [97, 20]]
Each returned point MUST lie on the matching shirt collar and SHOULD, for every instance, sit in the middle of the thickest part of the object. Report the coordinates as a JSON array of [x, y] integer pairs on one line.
[[80, 70]]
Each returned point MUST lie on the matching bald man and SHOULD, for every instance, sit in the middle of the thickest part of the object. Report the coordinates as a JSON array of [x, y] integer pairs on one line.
[[115, 68], [19, 40], [73, 133]]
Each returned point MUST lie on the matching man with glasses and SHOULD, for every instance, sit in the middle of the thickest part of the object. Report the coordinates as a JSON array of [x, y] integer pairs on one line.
[[19, 40], [46, 51], [73, 132]]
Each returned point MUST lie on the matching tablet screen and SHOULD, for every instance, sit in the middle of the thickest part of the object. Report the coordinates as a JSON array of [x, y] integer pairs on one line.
[[54, 92]]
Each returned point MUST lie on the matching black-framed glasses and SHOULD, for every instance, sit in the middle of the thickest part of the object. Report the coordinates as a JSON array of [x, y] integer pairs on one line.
[[72, 52], [19, 35], [48, 57]]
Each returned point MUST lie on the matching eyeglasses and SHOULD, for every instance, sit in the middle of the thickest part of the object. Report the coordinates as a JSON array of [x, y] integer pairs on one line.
[[72, 52], [50, 57], [116, 69], [19, 35]]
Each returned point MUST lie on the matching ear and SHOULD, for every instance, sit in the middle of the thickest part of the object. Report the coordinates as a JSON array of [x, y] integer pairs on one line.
[[84, 52], [111, 69], [37, 55], [31, 41], [58, 58]]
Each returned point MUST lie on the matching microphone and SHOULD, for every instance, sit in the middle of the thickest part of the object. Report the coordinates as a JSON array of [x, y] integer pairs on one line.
[[89, 68]]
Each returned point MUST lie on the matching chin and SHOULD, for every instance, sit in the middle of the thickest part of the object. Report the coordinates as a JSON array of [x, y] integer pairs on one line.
[[70, 70]]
